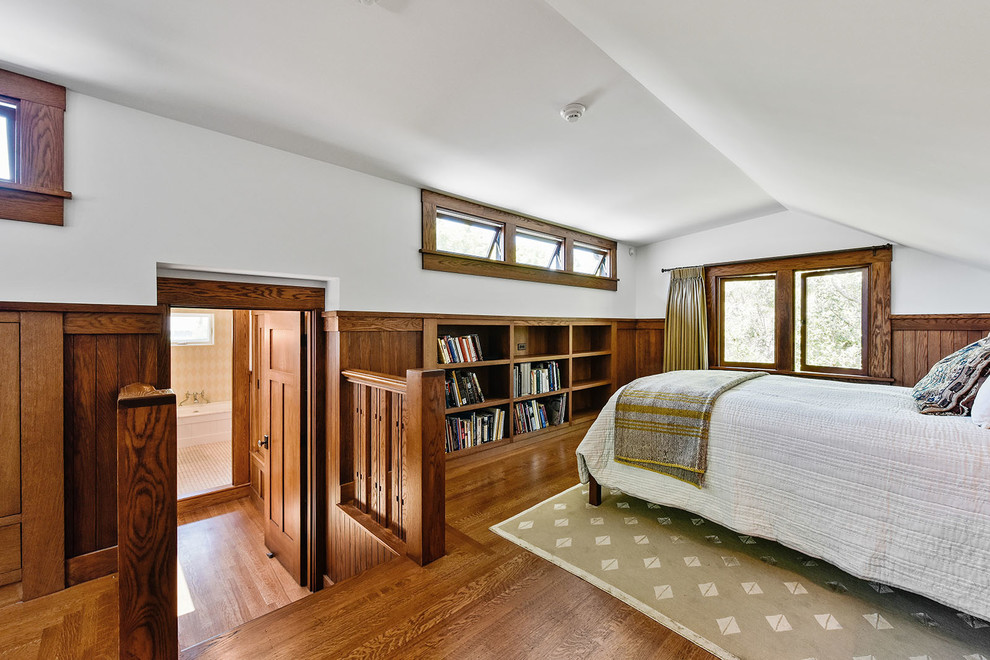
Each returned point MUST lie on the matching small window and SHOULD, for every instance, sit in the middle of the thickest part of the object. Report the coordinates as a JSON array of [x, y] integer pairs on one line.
[[591, 260], [460, 236], [191, 329], [748, 320], [535, 249], [8, 115], [831, 332], [474, 237]]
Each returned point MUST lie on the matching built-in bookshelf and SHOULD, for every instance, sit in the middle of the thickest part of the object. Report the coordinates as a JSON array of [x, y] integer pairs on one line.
[[514, 380]]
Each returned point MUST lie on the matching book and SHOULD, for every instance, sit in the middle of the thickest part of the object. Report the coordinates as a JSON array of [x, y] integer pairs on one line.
[[466, 348]]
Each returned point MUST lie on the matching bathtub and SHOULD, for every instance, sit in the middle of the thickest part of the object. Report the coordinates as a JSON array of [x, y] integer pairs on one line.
[[203, 423]]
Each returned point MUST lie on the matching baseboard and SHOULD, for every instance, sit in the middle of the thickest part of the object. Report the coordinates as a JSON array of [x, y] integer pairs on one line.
[[202, 500]]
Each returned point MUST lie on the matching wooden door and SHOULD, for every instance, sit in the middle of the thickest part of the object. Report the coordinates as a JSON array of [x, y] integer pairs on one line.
[[282, 400]]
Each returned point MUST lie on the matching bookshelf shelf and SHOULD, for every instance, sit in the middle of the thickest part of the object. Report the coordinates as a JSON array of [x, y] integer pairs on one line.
[[590, 354], [585, 384], [490, 403], [519, 359], [582, 350], [530, 397], [471, 365]]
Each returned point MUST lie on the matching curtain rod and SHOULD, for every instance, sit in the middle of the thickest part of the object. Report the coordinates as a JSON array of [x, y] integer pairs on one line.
[[886, 246]]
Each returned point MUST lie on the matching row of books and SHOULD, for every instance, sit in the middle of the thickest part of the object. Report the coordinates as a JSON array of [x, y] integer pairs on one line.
[[459, 349], [463, 389], [538, 414], [536, 377], [475, 428]]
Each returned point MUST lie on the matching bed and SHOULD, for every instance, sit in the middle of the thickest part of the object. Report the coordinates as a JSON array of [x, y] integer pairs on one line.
[[849, 473]]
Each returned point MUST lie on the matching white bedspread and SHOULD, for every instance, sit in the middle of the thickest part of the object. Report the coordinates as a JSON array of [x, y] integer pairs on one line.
[[849, 473]]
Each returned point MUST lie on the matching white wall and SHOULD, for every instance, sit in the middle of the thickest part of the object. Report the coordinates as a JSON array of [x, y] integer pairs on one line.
[[921, 283], [148, 190]]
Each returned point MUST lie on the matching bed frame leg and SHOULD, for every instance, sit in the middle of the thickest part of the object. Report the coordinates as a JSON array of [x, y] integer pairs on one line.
[[594, 492]]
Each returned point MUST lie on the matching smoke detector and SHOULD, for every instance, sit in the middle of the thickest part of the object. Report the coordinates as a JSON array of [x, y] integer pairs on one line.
[[572, 112]]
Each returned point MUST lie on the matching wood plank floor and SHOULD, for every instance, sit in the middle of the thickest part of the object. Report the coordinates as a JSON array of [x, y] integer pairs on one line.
[[230, 578], [487, 598]]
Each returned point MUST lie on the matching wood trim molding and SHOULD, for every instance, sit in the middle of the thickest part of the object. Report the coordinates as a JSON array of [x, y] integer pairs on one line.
[[95, 323], [42, 462], [30, 89], [14, 306], [36, 194], [456, 263], [241, 403], [211, 498], [940, 321], [238, 295], [352, 321], [91, 566]]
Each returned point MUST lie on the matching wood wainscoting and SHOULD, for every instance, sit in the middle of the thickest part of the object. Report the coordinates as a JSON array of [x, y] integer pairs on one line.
[[921, 340], [73, 360]]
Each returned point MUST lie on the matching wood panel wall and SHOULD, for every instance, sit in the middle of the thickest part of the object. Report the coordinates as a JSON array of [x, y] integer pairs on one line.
[[386, 344], [97, 366], [73, 361], [919, 341], [639, 349]]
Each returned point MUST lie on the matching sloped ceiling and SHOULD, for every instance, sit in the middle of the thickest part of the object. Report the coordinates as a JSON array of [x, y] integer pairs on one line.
[[458, 96], [872, 114]]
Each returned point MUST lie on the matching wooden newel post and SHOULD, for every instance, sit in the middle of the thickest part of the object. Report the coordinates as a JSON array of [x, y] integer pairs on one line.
[[425, 496], [146, 515]]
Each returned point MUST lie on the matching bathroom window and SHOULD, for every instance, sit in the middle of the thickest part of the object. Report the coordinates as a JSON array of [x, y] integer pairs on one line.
[[191, 329]]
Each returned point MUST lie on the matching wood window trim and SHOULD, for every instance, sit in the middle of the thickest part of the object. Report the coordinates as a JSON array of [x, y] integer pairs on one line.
[[864, 368], [36, 193], [721, 337], [449, 262], [878, 346]]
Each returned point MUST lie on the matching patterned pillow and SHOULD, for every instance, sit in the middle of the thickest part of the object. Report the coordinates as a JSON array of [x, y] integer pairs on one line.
[[951, 386], [981, 406]]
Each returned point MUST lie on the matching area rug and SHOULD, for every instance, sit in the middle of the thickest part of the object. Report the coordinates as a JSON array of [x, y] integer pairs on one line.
[[738, 596]]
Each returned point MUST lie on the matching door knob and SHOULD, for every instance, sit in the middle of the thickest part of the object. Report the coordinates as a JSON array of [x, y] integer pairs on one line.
[[264, 442]]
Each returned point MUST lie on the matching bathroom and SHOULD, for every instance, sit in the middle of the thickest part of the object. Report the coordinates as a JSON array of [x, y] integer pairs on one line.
[[202, 360]]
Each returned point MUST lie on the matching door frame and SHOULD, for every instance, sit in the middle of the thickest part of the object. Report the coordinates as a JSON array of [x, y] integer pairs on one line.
[[181, 292]]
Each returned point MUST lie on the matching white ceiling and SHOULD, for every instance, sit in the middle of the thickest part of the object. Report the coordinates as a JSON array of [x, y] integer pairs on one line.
[[873, 114], [461, 96]]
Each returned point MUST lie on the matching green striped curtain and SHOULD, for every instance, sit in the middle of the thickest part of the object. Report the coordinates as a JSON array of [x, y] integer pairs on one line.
[[685, 336]]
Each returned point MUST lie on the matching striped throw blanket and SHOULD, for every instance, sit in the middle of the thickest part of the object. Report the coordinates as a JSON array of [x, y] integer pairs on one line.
[[661, 422]]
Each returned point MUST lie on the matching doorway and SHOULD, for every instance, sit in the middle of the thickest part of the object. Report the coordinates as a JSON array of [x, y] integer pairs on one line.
[[245, 541]]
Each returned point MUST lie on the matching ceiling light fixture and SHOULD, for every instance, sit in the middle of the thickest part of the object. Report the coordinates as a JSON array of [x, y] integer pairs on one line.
[[572, 112]]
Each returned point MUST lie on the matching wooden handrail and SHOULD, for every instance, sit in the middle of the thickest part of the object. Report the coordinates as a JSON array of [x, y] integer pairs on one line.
[[146, 531], [374, 379], [395, 427]]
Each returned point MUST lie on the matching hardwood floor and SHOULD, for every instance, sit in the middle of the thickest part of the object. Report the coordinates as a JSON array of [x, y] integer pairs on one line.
[[230, 579], [487, 598]]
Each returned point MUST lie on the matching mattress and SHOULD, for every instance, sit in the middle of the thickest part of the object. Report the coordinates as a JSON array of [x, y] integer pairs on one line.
[[849, 473]]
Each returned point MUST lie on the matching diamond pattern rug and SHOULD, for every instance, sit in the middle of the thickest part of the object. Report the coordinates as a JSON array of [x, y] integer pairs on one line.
[[738, 596]]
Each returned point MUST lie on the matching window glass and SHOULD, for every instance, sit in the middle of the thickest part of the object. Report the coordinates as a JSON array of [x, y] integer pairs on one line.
[[463, 234], [541, 250], [7, 116], [748, 320], [590, 260], [191, 329], [833, 319]]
